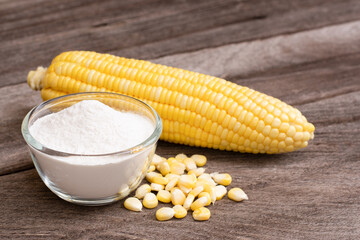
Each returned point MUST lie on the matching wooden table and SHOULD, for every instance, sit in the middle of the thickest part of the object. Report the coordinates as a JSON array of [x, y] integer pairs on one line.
[[305, 52]]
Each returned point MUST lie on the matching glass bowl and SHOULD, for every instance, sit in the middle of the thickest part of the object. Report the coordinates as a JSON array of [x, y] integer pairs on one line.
[[90, 181]]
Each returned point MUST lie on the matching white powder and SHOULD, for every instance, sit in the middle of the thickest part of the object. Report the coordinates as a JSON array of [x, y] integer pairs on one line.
[[91, 127]]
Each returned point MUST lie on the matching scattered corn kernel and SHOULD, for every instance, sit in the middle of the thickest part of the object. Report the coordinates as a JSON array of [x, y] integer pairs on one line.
[[180, 211], [142, 191], [164, 196], [177, 168], [200, 160], [163, 168], [133, 204], [181, 189], [172, 190], [200, 202], [171, 160], [156, 160], [165, 213], [172, 183], [201, 214], [212, 192], [171, 176], [187, 181], [184, 189], [159, 180], [189, 164], [223, 179], [201, 182], [220, 191], [208, 188], [156, 187], [188, 201], [177, 197], [150, 201], [149, 176], [196, 172], [151, 168], [237, 194], [206, 177], [180, 157], [207, 195], [196, 190]]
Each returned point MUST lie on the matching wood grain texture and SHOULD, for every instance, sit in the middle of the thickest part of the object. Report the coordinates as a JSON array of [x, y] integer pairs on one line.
[[304, 52], [150, 29]]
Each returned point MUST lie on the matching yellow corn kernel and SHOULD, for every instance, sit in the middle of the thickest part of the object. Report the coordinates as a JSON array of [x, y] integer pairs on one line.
[[201, 214], [180, 211], [200, 202], [171, 160], [207, 195], [180, 157], [164, 196], [158, 179], [184, 189], [163, 168], [151, 175], [200, 160], [150, 201], [237, 194], [165, 213], [142, 191], [187, 181], [211, 191], [172, 190], [188, 201], [156, 187], [223, 179], [170, 176], [220, 191], [207, 179], [196, 172], [133, 204], [197, 190], [151, 168], [177, 197], [172, 183], [189, 164], [205, 176], [177, 168], [156, 160]]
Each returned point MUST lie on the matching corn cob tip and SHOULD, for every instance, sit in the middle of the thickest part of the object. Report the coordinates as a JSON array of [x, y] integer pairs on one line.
[[35, 78]]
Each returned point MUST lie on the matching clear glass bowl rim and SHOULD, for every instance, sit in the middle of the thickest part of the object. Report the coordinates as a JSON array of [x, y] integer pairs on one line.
[[30, 140]]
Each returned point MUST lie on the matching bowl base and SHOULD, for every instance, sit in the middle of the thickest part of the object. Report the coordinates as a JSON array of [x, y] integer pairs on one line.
[[84, 201]]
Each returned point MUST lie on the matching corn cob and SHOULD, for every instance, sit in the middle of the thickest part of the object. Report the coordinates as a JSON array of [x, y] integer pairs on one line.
[[196, 109]]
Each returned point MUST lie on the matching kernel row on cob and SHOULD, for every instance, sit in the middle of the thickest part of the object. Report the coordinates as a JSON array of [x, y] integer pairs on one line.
[[196, 109], [182, 181]]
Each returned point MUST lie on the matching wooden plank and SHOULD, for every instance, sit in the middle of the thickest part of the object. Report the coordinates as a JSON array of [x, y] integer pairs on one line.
[[155, 30], [246, 58], [15, 102], [291, 19]]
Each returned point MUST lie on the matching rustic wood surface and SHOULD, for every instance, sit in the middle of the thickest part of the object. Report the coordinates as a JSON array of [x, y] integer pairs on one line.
[[305, 52]]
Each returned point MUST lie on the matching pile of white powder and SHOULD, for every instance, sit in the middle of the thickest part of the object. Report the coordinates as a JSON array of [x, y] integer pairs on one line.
[[91, 127]]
